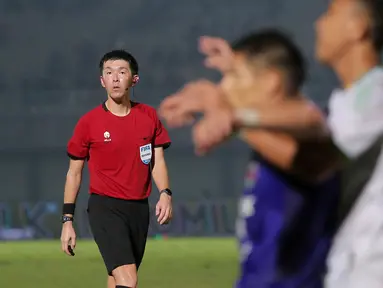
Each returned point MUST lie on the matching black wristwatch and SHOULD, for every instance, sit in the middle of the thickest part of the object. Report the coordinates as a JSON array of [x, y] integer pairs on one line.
[[167, 191], [66, 219]]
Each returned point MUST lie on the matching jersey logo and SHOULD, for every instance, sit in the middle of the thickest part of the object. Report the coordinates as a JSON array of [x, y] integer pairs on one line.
[[107, 136], [247, 206], [146, 153], [246, 209], [251, 175]]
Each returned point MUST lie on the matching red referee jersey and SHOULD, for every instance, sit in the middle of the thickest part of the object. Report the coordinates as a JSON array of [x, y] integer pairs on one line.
[[120, 150]]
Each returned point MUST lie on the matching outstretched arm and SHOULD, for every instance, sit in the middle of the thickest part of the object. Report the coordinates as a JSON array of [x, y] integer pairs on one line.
[[309, 159], [298, 117], [301, 119]]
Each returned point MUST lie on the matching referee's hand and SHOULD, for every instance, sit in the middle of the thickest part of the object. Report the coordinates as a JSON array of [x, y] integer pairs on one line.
[[164, 209], [68, 238]]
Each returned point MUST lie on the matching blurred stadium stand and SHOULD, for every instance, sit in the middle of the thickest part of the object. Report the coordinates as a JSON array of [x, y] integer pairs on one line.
[[49, 77]]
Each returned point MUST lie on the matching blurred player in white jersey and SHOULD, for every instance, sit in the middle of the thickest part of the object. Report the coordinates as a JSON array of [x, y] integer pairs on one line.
[[349, 40]]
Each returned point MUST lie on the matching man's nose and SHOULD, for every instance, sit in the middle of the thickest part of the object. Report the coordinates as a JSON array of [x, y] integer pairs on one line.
[[115, 78]]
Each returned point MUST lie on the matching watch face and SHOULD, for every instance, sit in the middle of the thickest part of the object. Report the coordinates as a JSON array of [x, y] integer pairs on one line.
[[66, 219], [167, 191]]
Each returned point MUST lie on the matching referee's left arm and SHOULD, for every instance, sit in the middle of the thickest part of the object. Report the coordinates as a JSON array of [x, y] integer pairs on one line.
[[160, 170], [164, 209]]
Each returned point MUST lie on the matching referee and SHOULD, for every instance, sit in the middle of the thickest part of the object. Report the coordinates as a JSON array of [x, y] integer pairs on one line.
[[124, 144]]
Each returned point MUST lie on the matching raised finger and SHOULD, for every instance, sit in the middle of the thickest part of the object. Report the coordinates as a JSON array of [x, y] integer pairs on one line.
[[178, 119], [208, 45]]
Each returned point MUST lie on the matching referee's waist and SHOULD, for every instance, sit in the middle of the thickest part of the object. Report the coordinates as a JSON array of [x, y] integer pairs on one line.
[[98, 195]]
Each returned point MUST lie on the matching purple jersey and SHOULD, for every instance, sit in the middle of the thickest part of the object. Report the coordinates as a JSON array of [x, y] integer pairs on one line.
[[284, 228]]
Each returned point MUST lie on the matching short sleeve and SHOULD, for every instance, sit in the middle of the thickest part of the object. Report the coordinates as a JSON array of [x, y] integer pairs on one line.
[[78, 145], [355, 131], [162, 138]]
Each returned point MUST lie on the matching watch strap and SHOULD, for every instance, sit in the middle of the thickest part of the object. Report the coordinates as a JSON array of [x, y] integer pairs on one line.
[[65, 219], [167, 191]]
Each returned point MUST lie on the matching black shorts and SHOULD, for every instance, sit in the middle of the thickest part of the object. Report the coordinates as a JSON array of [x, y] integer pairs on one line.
[[120, 229]]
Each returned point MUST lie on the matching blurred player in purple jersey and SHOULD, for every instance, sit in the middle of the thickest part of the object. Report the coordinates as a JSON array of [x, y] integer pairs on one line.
[[349, 40], [286, 214]]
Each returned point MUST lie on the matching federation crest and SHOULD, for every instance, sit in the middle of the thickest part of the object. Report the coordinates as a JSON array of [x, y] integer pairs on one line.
[[146, 153], [107, 136]]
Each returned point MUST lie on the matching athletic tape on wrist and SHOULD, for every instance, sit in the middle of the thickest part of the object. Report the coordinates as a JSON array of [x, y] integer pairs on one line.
[[247, 117], [69, 208]]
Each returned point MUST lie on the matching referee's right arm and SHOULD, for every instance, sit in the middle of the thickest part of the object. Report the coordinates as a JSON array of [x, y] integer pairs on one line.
[[72, 184], [78, 151]]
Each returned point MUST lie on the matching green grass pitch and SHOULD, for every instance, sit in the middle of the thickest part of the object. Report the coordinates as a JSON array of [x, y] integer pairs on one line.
[[171, 263]]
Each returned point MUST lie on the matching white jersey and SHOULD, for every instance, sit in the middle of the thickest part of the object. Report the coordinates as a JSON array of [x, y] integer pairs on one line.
[[356, 122]]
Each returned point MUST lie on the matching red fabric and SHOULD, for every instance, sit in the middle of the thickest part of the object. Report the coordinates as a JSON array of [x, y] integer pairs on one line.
[[119, 150]]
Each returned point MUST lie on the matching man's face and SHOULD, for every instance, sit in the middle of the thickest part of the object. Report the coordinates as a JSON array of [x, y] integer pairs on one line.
[[247, 84], [116, 78], [337, 29]]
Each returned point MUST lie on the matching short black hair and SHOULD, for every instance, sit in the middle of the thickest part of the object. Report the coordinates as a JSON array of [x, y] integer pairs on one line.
[[120, 55], [276, 49], [375, 10]]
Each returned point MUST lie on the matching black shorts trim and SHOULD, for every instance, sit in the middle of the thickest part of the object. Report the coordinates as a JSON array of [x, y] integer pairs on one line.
[[120, 229]]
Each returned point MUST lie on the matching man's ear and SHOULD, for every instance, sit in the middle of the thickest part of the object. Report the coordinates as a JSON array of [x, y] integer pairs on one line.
[[135, 80], [102, 81]]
